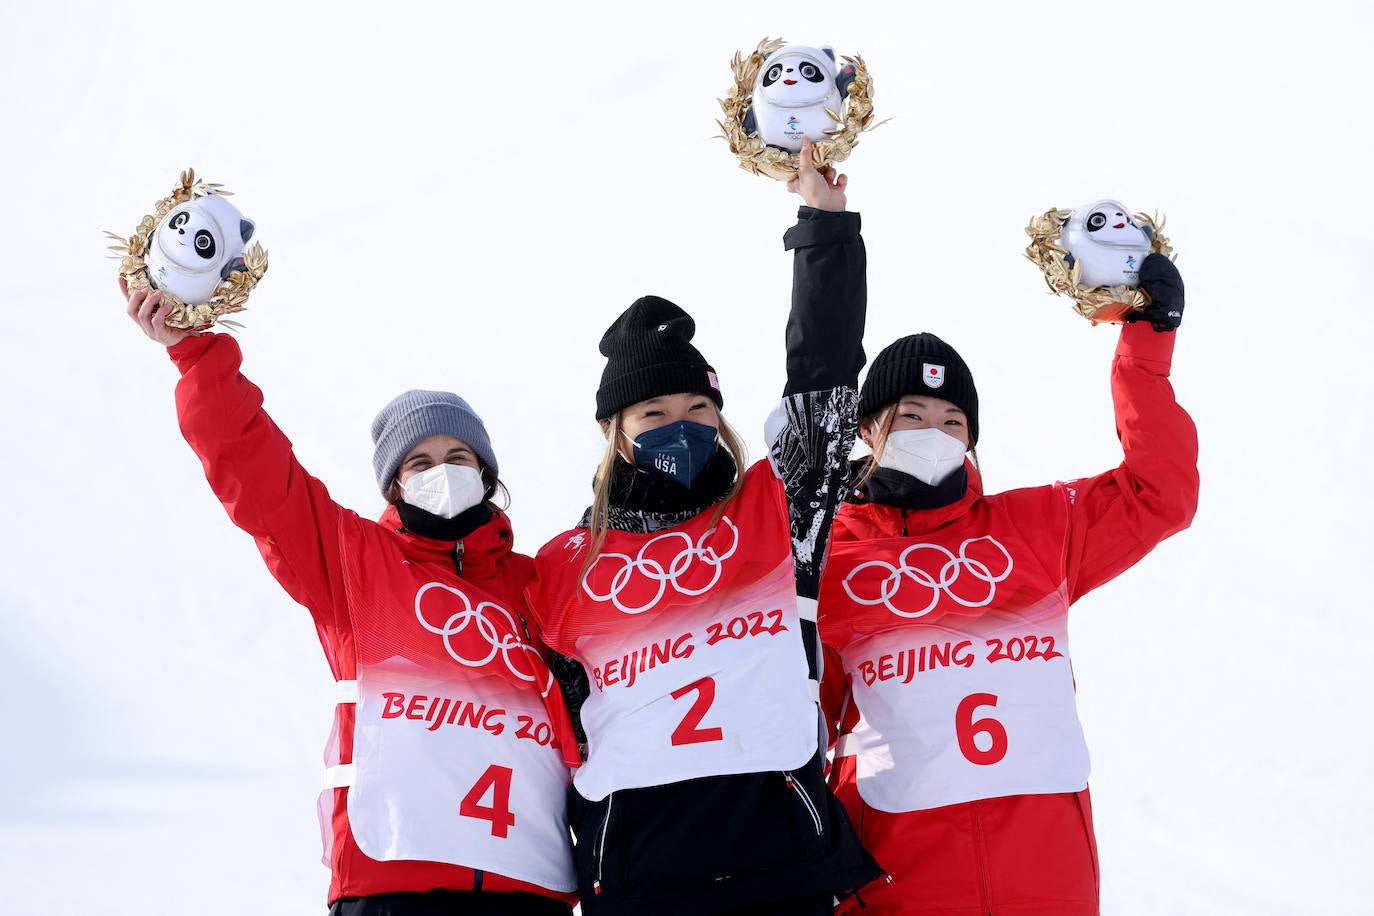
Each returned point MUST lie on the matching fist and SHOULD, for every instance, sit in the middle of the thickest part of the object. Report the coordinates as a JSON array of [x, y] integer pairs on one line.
[[1162, 282]]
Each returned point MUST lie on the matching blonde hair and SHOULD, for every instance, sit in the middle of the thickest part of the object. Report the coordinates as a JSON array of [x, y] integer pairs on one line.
[[883, 421], [599, 523]]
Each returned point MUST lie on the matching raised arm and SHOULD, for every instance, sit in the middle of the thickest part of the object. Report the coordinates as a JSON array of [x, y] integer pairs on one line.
[[249, 462], [825, 328], [812, 431], [1120, 516]]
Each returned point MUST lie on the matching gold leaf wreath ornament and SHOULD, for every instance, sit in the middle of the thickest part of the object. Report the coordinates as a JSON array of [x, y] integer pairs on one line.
[[230, 296], [1098, 304], [756, 156]]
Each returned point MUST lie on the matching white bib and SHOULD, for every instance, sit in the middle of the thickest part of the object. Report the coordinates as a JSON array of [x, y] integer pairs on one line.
[[974, 707], [716, 687], [441, 777]]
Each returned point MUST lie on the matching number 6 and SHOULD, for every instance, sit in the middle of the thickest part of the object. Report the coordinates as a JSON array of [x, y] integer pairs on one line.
[[967, 728]]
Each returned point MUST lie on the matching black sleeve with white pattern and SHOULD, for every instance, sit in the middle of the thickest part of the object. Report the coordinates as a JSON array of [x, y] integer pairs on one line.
[[811, 435], [812, 431]]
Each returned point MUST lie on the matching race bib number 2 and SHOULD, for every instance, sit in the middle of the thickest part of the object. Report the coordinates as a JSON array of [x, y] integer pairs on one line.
[[689, 730]]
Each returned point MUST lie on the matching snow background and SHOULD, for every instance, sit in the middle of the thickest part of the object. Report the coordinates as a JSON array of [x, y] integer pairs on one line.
[[463, 196]]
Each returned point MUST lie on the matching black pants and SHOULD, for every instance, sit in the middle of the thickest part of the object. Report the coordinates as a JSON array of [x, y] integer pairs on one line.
[[449, 903], [822, 905]]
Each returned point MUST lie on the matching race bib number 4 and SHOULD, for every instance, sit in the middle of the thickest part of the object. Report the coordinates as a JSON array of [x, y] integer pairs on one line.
[[443, 776]]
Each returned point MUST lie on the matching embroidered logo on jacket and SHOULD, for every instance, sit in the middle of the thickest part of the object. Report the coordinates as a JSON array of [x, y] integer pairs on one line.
[[638, 583], [928, 571]]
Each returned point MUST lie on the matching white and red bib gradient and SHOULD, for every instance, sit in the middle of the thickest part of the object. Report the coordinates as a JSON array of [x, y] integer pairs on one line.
[[461, 736], [691, 639], [956, 643]]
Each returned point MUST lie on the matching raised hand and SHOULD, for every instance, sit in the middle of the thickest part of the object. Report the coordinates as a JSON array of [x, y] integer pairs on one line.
[[144, 308], [819, 188], [1162, 282]]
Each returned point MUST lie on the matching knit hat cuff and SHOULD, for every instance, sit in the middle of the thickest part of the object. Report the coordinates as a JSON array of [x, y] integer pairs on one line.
[[917, 365], [656, 380], [427, 414]]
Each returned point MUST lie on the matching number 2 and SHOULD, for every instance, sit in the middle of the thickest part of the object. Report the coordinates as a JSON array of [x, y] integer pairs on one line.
[[687, 731], [496, 780]]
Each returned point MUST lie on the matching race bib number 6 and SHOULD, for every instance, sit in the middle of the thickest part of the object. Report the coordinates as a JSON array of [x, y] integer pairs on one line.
[[993, 747]]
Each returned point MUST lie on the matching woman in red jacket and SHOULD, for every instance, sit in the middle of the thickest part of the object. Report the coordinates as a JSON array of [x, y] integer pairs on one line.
[[944, 612], [446, 770]]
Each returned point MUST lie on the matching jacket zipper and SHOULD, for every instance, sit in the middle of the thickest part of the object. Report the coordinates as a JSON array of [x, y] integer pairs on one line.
[[601, 845], [457, 556], [806, 800]]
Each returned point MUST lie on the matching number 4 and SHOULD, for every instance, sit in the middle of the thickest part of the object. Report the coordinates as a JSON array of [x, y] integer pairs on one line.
[[497, 780]]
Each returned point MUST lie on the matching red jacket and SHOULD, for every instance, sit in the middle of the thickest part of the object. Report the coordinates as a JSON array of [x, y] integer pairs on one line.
[[358, 579], [960, 759]]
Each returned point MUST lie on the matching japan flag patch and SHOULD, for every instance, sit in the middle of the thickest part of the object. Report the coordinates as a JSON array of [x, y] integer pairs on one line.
[[932, 375]]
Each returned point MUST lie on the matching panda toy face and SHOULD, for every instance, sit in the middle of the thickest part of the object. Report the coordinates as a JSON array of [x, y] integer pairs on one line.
[[195, 246], [796, 80], [1107, 243], [794, 87]]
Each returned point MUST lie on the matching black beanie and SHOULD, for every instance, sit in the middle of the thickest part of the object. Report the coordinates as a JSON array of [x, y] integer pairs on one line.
[[916, 365], [649, 353]]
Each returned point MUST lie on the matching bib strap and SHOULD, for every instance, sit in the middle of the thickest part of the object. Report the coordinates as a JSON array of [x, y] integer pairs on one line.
[[339, 775], [346, 691]]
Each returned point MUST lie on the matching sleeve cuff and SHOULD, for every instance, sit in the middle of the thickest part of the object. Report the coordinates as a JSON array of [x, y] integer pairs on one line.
[[822, 227], [1141, 341], [187, 353]]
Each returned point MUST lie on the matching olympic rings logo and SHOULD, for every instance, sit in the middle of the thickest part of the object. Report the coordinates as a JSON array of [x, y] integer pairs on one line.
[[498, 640], [951, 568], [658, 573]]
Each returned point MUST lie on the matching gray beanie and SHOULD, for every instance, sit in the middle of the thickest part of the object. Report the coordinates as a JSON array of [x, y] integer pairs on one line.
[[413, 417]]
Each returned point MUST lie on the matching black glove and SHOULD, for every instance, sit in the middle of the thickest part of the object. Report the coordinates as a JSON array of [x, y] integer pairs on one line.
[[1161, 281]]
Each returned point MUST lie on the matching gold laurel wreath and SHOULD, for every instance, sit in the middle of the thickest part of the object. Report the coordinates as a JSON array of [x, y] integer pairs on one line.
[[757, 157], [1103, 303], [231, 294]]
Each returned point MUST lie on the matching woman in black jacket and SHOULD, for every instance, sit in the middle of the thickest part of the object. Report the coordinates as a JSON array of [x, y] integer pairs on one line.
[[687, 593]]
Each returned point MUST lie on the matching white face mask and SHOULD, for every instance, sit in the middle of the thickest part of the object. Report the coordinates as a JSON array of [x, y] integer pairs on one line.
[[445, 490], [929, 455]]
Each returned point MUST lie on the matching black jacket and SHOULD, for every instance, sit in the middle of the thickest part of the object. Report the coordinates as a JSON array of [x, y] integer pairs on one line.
[[716, 844]]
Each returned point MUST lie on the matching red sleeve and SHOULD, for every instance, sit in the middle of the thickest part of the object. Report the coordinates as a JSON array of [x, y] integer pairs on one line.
[[836, 702], [253, 471], [1118, 517]]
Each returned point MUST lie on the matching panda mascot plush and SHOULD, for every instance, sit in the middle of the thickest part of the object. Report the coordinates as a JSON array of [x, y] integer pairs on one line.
[[795, 85], [1107, 242], [196, 246]]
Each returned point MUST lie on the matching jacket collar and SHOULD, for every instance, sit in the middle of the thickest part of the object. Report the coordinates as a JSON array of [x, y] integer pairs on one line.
[[894, 488], [643, 503], [868, 520], [483, 549]]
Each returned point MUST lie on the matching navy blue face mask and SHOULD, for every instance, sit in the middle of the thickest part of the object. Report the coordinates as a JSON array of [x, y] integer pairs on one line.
[[677, 451]]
